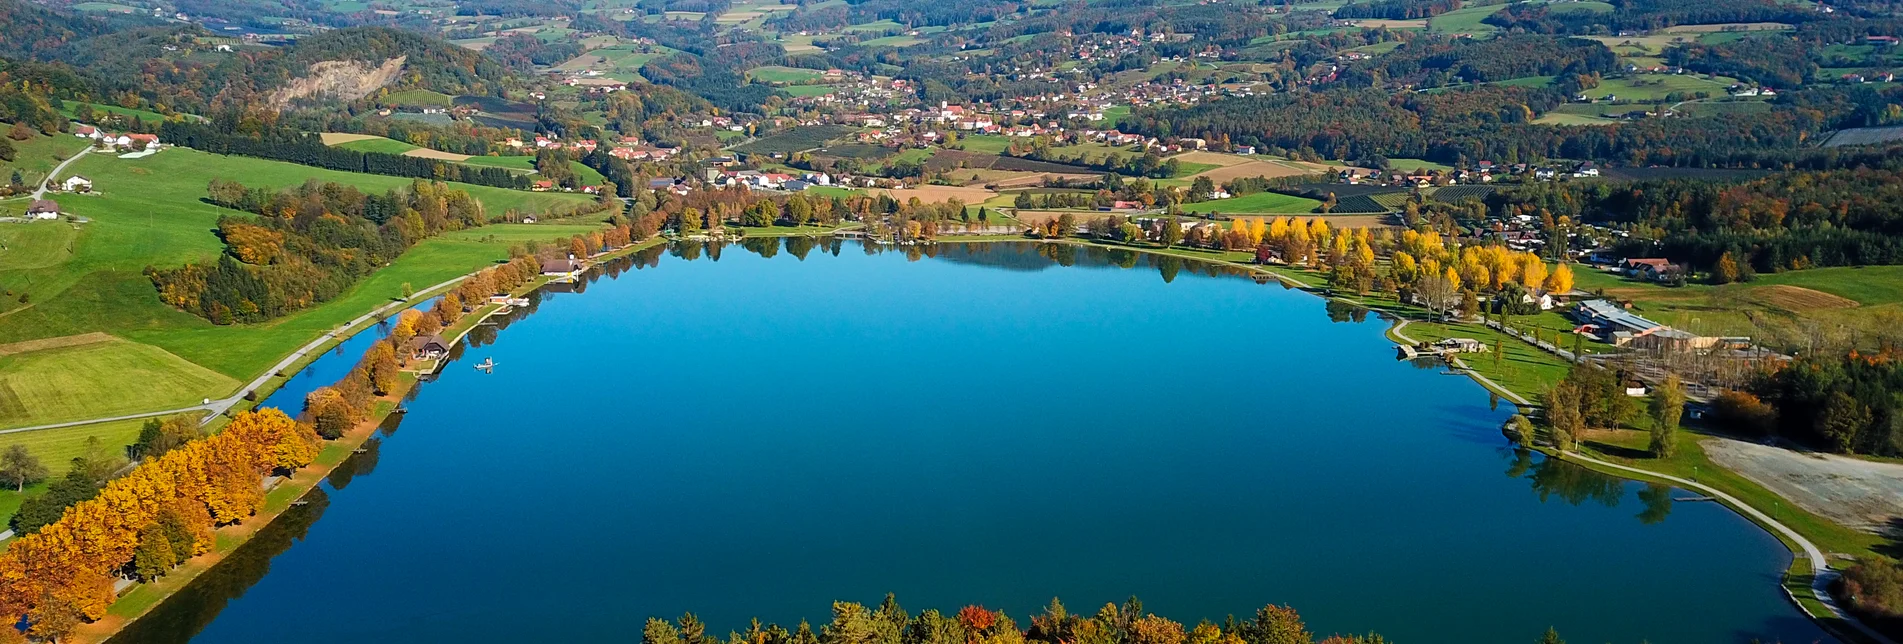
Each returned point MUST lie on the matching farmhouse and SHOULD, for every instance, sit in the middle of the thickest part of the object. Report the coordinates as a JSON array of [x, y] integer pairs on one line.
[[1652, 268], [43, 209], [76, 183]]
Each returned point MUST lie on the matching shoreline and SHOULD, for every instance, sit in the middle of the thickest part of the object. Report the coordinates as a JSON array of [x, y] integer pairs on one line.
[[1813, 579], [139, 600], [283, 496]]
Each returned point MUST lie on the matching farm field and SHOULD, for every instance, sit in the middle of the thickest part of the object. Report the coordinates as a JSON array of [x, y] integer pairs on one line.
[[1261, 202], [1465, 20], [779, 74], [88, 380], [805, 137], [1562, 118], [367, 143], [1656, 87], [1410, 165], [149, 213], [589, 176], [1778, 308], [418, 98]]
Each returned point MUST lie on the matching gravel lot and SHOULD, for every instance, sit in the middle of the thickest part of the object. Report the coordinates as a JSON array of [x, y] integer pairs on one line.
[[1860, 494]]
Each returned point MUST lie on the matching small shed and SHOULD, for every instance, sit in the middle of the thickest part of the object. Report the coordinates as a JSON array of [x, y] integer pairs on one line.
[[428, 347]]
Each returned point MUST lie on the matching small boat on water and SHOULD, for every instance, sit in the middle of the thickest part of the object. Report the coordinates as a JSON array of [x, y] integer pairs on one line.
[[488, 365]]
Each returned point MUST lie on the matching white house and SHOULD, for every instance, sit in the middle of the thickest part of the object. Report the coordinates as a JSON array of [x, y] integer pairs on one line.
[[76, 183], [43, 209]]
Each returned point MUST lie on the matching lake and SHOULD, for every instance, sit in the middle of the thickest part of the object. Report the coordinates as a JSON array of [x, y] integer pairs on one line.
[[760, 435]]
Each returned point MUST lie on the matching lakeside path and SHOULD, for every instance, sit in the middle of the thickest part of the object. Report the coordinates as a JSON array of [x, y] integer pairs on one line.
[[1822, 576]]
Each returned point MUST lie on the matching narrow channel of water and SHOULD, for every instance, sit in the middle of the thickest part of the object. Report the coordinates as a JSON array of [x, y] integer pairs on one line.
[[778, 425]]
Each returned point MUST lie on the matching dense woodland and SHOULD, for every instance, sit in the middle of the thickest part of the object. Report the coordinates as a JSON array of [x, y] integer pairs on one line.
[[1781, 222], [307, 245], [1644, 15], [1437, 62]]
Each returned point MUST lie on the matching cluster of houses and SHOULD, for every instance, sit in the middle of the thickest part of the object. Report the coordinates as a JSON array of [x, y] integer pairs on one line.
[[627, 148], [753, 179], [124, 142]]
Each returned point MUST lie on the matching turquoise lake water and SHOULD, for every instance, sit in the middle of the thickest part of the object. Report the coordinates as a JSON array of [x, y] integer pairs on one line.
[[761, 435]]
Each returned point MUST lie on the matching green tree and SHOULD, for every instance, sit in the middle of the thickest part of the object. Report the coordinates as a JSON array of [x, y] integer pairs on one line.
[[1201, 188], [1665, 405], [1841, 420], [154, 555], [1172, 232], [21, 467], [660, 631], [1551, 637]]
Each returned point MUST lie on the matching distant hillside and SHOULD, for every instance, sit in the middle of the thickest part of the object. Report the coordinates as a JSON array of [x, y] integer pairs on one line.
[[31, 29], [433, 63]]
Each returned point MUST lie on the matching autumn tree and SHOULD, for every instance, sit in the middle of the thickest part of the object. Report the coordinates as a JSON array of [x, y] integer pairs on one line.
[[1561, 279]]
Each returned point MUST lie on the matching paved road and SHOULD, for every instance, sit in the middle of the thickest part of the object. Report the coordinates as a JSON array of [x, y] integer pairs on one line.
[[40, 193], [221, 405]]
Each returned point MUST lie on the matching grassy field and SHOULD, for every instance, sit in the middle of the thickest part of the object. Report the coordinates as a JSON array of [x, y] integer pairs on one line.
[[379, 144], [417, 98], [779, 74], [35, 245], [1410, 165], [1562, 118], [91, 380], [1655, 87], [38, 155], [1466, 20], [1776, 309], [809, 90], [589, 176], [1261, 202], [57, 449], [150, 214]]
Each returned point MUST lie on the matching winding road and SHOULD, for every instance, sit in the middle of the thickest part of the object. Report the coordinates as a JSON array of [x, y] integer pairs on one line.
[[40, 193]]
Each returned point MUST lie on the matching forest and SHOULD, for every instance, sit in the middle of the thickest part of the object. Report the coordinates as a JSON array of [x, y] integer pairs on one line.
[[304, 148], [1396, 9], [1644, 15], [306, 245], [1781, 222], [1437, 62], [1840, 403], [1494, 123]]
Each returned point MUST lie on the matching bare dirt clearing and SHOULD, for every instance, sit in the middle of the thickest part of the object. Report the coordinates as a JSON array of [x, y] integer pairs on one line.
[[935, 194], [339, 138], [1860, 494], [1268, 169], [436, 154], [1798, 298]]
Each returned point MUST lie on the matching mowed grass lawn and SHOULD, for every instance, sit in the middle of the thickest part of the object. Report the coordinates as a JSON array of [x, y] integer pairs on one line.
[[105, 378], [1261, 202], [589, 176], [36, 244], [379, 144], [149, 213], [778, 74]]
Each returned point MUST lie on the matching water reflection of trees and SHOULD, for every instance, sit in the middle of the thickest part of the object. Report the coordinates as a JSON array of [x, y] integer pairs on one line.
[[185, 613], [1554, 479], [359, 464]]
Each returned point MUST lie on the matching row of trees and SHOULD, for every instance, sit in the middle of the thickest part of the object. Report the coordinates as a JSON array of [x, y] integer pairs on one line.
[[286, 144], [144, 523], [307, 245]]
